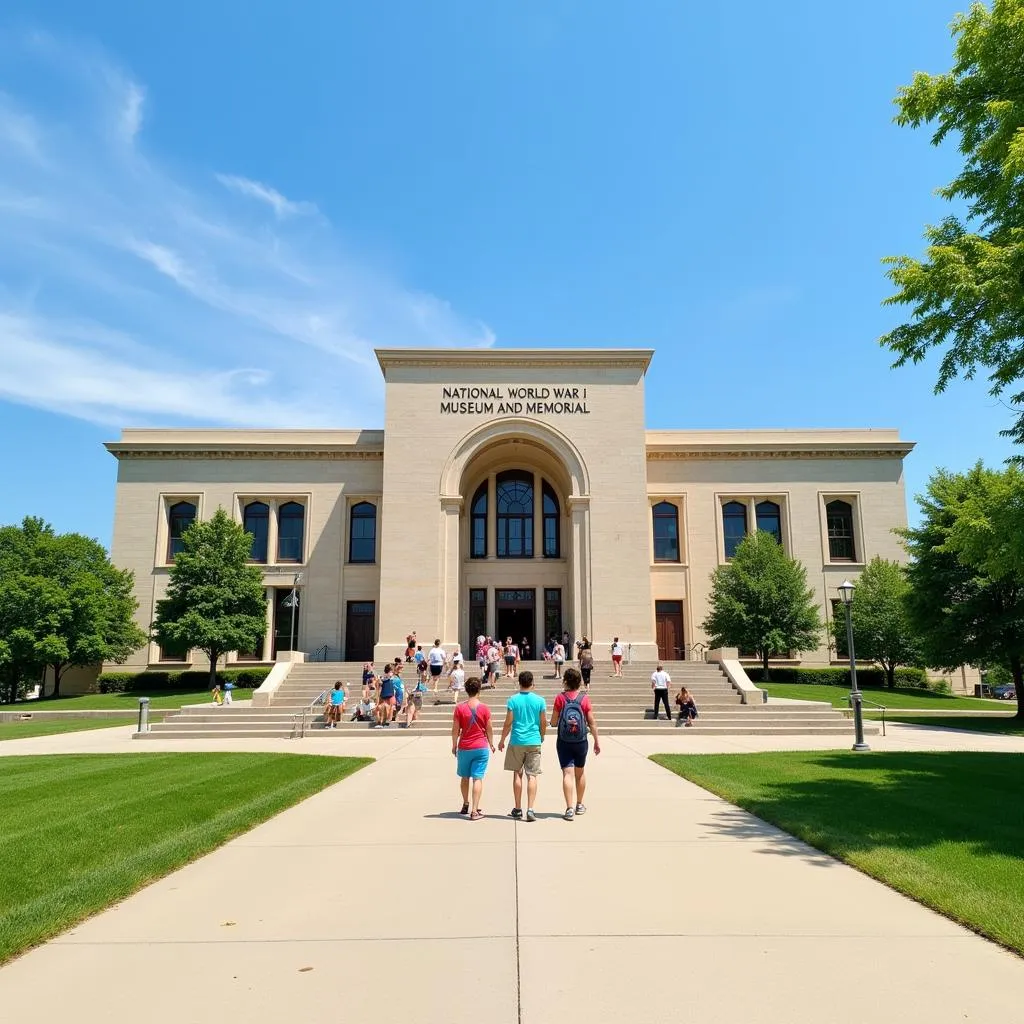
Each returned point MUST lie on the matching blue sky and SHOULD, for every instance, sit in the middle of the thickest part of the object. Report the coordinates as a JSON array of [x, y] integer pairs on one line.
[[210, 213]]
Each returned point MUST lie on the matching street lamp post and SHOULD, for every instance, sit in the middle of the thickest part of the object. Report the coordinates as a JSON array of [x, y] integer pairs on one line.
[[856, 699], [294, 602]]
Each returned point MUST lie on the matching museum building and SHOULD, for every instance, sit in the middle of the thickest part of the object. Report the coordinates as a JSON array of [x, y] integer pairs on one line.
[[512, 492]]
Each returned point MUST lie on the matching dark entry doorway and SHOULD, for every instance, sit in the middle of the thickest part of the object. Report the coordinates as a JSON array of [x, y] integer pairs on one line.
[[514, 612], [359, 629], [668, 620]]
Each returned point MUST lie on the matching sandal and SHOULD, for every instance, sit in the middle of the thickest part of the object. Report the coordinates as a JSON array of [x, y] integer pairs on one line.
[[465, 809], [476, 815]]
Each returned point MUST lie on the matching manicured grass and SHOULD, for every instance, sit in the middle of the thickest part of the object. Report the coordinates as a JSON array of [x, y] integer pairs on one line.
[[127, 702], [39, 727], [838, 696], [78, 833], [945, 828], [1006, 725]]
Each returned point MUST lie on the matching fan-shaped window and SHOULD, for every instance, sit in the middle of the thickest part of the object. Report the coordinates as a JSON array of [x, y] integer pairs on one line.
[[552, 538], [291, 522], [256, 520], [180, 516], [769, 519], [362, 534], [478, 523], [734, 525], [514, 501], [839, 517], [666, 532]]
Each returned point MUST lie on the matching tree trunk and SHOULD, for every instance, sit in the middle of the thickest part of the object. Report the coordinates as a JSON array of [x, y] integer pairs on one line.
[[764, 666], [890, 675], [1017, 669], [214, 655], [58, 671]]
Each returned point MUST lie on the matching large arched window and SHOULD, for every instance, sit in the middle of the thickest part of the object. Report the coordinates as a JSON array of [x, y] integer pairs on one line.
[[734, 525], [478, 523], [666, 532], [514, 502], [180, 516], [769, 519], [291, 521], [362, 533], [256, 520], [839, 518], [552, 538]]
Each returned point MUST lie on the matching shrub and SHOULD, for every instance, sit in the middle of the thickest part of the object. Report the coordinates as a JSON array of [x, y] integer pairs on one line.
[[867, 678], [154, 682]]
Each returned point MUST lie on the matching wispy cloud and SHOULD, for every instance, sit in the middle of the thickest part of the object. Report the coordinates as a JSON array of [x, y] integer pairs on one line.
[[130, 294]]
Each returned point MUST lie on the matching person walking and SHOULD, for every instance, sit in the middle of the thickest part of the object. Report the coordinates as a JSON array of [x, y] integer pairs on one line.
[[558, 657], [472, 746], [386, 701], [511, 657], [456, 680], [660, 681], [526, 721], [586, 664], [436, 660], [616, 657], [571, 717]]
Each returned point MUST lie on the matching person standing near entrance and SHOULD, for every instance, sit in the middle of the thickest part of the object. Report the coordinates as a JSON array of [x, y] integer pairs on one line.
[[660, 681], [472, 746], [436, 660], [571, 717], [558, 657], [617, 657], [511, 657], [525, 719]]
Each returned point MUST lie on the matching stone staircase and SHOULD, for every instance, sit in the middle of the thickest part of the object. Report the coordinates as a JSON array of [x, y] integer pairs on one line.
[[622, 706]]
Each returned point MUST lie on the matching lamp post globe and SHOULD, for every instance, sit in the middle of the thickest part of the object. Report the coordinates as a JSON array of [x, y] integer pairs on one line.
[[846, 589]]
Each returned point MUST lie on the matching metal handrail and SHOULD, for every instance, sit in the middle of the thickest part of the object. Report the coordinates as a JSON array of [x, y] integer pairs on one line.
[[864, 700], [319, 699], [320, 654], [697, 655]]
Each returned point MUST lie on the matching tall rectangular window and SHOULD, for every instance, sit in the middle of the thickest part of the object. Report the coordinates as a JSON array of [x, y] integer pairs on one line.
[[256, 521], [362, 538], [666, 532], [734, 525], [180, 516], [839, 520], [769, 519], [291, 520]]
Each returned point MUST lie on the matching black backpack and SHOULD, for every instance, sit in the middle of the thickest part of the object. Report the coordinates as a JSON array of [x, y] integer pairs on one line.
[[572, 723]]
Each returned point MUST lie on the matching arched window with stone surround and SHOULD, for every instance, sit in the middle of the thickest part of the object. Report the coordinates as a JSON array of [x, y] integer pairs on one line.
[[256, 521], [552, 531], [839, 517], [734, 525], [362, 532], [769, 519], [666, 532], [478, 523], [180, 516], [514, 505]]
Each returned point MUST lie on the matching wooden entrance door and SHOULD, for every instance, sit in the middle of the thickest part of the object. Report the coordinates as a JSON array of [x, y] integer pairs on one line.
[[668, 619], [359, 630]]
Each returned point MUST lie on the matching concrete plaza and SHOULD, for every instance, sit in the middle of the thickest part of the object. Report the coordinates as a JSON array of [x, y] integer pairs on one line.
[[374, 901]]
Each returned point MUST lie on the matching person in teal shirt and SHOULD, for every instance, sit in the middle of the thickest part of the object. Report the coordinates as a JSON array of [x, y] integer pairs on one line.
[[526, 721]]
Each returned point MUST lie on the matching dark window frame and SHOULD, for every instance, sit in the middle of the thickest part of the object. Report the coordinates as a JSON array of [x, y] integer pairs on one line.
[[260, 511], [510, 484], [761, 513], [551, 516], [841, 531], [666, 512], [358, 514], [478, 521], [175, 516], [285, 514], [730, 513]]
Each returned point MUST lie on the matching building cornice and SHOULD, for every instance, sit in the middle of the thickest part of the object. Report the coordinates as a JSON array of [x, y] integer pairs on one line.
[[515, 358], [897, 451], [172, 451]]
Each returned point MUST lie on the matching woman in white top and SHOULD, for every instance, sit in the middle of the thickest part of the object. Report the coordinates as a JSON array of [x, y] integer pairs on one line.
[[617, 657]]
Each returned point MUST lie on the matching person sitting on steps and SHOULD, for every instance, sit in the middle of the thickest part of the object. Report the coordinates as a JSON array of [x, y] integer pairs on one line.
[[687, 707]]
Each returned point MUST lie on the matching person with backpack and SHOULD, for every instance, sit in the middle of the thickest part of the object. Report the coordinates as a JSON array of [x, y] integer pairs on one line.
[[472, 746], [526, 720], [586, 658], [571, 718]]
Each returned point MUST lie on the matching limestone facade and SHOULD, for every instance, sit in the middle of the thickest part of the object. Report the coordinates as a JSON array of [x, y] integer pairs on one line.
[[509, 491]]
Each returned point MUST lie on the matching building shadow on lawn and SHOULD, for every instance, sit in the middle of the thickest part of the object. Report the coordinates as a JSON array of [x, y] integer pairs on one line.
[[845, 803]]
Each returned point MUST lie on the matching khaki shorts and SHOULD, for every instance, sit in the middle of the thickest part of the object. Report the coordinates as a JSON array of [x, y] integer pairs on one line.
[[521, 758]]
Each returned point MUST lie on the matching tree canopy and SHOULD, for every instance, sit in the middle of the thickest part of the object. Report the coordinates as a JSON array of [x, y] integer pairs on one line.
[[883, 631], [966, 296], [214, 600], [760, 602], [62, 603], [965, 602]]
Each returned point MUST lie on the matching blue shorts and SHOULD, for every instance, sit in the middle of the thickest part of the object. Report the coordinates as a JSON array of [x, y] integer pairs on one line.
[[572, 755], [472, 764]]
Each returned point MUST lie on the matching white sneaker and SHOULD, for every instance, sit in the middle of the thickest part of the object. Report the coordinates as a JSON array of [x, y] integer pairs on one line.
[[581, 809], [569, 814]]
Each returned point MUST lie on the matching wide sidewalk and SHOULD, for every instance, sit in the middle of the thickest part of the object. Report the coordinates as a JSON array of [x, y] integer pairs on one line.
[[375, 902]]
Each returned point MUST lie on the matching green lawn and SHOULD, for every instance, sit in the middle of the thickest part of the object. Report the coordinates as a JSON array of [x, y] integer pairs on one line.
[[1007, 725], [37, 727], [919, 699], [78, 833], [945, 828], [127, 702]]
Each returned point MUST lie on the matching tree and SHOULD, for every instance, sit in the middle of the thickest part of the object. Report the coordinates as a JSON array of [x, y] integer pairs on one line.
[[882, 628], [62, 604], [967, 294], [214, 599], [964, 612], [760, 601]]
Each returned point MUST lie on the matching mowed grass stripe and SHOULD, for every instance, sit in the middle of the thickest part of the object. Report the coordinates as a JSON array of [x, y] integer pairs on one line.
[[24, 730], [946, 828], [78, 833]]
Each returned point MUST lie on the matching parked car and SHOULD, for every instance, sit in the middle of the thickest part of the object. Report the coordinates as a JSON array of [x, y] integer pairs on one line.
[[1004, 692]]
